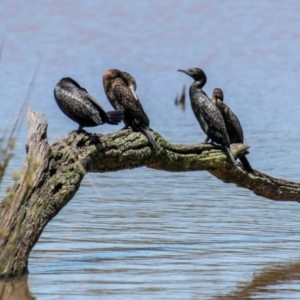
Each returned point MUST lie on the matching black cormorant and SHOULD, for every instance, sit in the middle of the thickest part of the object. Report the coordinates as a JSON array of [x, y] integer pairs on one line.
[[75, 102], [120, 90], [207, 114], [233, 125]]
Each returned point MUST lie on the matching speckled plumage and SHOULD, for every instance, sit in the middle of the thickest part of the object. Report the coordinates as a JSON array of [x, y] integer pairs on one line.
[[207, 114], [120, 90], [131, 80], [75, 102], [233, 125]]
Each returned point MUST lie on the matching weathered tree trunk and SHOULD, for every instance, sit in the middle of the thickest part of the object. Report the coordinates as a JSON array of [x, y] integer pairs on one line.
[[52, 175]]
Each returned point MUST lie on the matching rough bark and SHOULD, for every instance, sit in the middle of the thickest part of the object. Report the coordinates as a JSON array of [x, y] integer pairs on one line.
[[52, 175]]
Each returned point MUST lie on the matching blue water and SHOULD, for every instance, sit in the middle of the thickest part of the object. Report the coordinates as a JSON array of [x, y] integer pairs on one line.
[[146, 234]]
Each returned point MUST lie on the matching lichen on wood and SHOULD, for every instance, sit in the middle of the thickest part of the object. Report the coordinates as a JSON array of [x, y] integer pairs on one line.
[[52, 175]]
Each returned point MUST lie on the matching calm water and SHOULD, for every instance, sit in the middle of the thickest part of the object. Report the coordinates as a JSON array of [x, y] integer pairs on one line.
[[146, 234]]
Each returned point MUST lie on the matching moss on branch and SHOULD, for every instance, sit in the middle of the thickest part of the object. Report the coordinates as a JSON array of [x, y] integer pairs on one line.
[[52, 175]]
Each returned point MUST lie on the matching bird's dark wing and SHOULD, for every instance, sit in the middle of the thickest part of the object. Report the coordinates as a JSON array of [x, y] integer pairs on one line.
[[128, 99], [95, 108], [210, 118], [233, 125], [113, 100], [213, 117], [79, 100]]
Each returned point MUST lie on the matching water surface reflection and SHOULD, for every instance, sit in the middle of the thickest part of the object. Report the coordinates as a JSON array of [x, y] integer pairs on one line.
[[15, 289], [151, 234]]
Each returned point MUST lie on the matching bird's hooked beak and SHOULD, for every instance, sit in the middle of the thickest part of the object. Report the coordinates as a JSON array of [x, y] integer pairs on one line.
[[184, 71]]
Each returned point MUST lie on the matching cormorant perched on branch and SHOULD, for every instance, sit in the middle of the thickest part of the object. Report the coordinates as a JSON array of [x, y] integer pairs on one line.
[[120, 90], [75, 102], [233, 125], [207, 114]]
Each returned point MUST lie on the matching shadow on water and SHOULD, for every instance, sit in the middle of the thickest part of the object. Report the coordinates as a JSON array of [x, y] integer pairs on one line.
[[262, 286], [15, 289], [267, 283]]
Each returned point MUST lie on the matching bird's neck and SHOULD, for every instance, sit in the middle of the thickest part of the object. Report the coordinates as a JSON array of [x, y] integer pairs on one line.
[[200, 82], [197, 95], [196, 86]]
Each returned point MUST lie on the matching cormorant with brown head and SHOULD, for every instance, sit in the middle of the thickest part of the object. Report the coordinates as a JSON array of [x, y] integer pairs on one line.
[[76, 103], [120, 90], [233, 125], [207, 114]]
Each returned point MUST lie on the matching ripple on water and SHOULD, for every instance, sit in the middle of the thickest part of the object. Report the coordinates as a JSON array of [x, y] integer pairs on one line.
[[151, 234]]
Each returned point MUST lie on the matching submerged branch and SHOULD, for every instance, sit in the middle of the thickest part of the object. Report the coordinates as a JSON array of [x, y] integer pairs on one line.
[[52, 175]]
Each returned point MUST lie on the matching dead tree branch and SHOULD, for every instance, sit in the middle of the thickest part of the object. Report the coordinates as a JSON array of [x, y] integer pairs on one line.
[[52, 175]]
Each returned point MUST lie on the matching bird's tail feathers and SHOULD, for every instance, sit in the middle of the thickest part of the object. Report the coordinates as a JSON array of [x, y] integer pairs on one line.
[[246, 164], [114, 116], [229, 154], [145, 130]]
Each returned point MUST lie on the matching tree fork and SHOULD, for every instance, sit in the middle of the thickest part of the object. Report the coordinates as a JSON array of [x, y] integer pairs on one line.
[[52, 175]]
